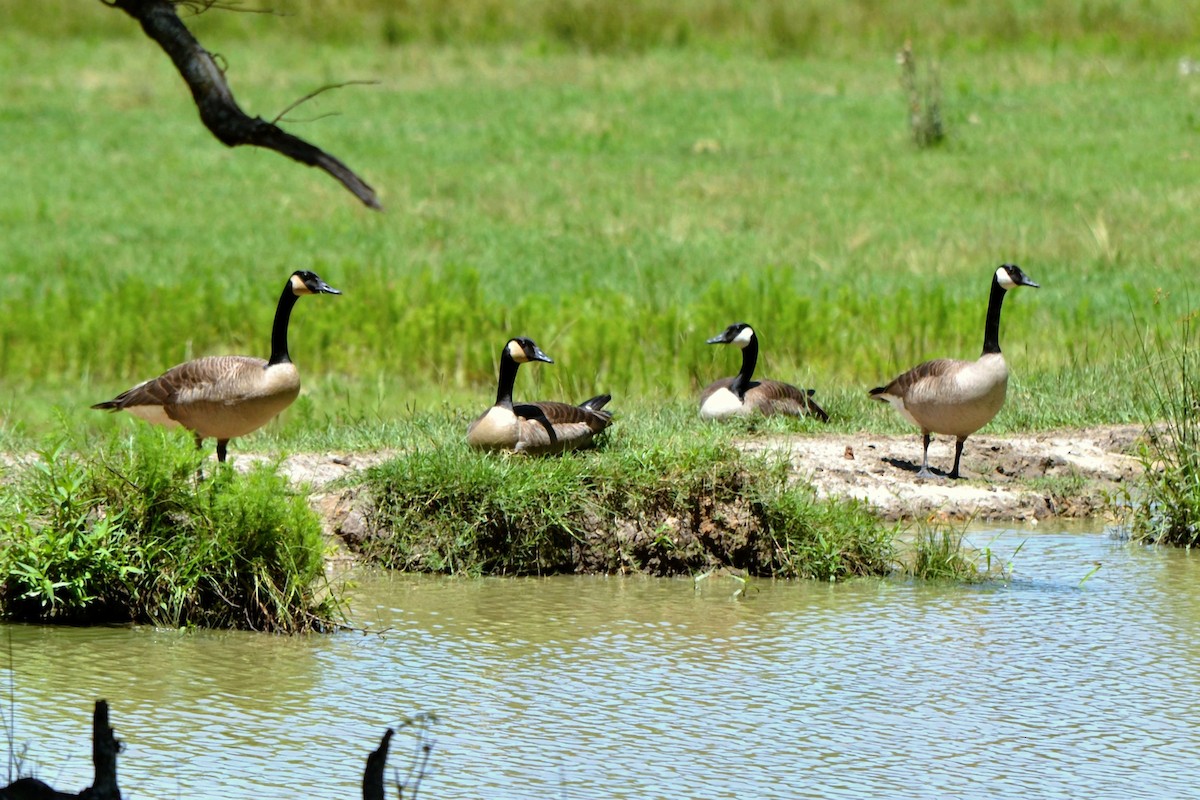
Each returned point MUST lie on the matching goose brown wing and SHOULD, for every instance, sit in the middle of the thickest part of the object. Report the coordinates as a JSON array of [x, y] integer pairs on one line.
[[210, 379], [775, 397], [551, 426], [559, 414], [903, 385]]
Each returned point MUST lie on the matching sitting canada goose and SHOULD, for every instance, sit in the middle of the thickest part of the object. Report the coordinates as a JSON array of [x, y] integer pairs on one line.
[[226, 396], [740, 395], [536, 428], [957, 397]]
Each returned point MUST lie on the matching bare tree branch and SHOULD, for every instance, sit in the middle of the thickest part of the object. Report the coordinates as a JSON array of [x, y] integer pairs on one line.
[[219, 111]]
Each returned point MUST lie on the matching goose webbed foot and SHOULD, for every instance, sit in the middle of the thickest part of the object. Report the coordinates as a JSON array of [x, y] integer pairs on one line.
[[925, 471]]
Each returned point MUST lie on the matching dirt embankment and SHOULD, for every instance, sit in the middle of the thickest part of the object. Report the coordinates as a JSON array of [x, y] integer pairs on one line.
[[1067, 473]]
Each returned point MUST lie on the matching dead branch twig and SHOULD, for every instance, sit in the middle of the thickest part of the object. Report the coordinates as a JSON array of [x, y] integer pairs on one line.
[[316, 92], [219, 110]]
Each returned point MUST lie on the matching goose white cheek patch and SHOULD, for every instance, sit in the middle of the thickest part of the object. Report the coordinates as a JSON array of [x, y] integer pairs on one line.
[[298, 286], [743, 338], [1004, 278]]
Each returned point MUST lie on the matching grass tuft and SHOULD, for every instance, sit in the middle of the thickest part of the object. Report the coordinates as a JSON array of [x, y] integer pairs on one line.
[[939, 552], [129, 533], [1166, 508], [668, 496]]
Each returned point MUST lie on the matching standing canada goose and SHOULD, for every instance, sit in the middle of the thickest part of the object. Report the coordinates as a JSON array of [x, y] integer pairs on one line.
[[957, 397], [740, 395], [226, 396], [536, 428]]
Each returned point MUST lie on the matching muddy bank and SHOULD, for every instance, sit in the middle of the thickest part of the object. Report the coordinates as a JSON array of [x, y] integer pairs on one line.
[[1067, 473]]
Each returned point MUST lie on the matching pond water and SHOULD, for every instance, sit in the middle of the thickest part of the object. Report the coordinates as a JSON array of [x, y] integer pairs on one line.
[[592, 687]]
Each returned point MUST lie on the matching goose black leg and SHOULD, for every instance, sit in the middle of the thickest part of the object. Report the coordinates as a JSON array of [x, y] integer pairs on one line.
[[199, 443], [958, 447]]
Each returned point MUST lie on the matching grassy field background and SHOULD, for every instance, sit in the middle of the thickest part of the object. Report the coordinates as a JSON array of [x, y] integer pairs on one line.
[[618, 181]]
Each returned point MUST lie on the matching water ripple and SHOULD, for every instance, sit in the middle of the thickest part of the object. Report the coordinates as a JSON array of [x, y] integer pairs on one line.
[[640, 688]]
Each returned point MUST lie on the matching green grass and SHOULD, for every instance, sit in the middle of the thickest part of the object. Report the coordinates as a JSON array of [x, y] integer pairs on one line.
[[1164, 507], [618, 181], [936, 550], [771, 28], [619, 208], [668, 496], [128, 533]]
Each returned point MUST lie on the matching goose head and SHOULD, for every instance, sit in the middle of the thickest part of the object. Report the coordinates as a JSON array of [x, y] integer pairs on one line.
[[739, 333], [522, 350], [305, 282], [1010, 276]]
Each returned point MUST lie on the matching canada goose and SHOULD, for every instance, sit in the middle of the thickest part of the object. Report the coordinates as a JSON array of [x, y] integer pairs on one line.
[[740, 395], [536, 428], [957, 397], [226, 396]]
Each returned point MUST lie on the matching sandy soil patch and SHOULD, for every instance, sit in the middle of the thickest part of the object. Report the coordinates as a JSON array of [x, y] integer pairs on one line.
[[1064, 473]]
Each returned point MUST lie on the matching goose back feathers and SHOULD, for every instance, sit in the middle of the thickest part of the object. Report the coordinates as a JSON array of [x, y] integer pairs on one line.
[[220, 397]]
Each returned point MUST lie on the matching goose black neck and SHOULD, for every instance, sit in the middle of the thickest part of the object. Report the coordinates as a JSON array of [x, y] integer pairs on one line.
[[279, 331], [508, 376], [991, 328], [749, 359]]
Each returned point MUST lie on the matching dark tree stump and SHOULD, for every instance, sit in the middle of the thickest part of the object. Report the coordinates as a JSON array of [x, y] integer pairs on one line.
[[376, 763], [106, 746]]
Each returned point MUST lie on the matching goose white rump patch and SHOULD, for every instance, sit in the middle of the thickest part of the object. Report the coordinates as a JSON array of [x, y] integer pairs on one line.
[[156, 415], [897, 403]]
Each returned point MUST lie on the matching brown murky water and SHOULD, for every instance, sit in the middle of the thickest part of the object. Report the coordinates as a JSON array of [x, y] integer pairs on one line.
[[644, 688]]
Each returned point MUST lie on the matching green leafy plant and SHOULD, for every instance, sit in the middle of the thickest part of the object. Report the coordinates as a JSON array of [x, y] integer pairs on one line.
[[131, 532]]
